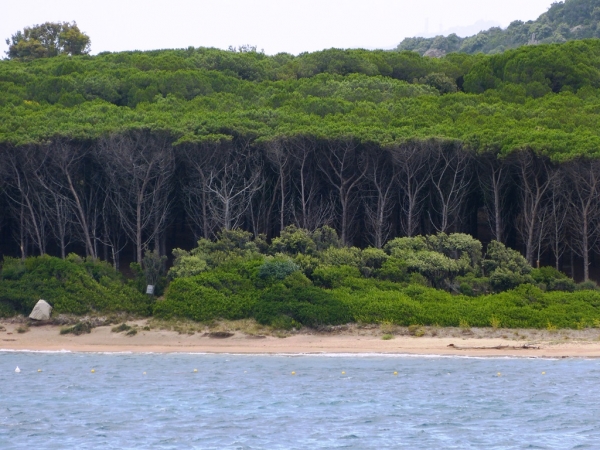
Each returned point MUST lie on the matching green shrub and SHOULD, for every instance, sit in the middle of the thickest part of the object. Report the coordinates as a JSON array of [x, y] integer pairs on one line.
[[333, 276], [121, 328], [502, 279], [309, 306], [187, 264], [78, 329], [473, 286], [217, 294], [344, 256], [498, 256], [277, 269], [588, 285], [553, 279], [297, 280], [294, 240], [394, 269], [326, 237], [72, 286]]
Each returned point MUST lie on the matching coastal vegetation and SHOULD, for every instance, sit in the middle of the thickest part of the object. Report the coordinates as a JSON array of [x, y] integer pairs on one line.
[[309, 279], [325, 188], [133, 151]]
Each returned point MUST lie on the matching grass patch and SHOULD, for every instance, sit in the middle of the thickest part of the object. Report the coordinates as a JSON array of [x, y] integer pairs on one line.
[[22, 329], [387, 337], [387, 327], [121, 328], [495, 322], [131, 332], [416, 330], [78, 329]]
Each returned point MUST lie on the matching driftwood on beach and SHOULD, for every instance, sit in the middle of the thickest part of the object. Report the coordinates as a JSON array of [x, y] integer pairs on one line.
[[498, 347]]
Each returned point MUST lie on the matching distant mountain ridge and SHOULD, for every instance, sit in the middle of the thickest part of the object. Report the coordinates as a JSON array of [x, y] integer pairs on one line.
[[564, 21]]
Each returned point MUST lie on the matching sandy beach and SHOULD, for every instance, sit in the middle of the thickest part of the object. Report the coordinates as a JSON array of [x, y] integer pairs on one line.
[[521, 343]]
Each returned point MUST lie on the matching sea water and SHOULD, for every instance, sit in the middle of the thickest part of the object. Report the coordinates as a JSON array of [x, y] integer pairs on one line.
[[287, 402]]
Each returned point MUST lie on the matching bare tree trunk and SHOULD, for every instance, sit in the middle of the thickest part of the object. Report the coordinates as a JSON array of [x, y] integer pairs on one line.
[[535, 176], [139, 167], [558, 211], [312, 208], [494, 177], [451, 180], [584, 187], [26, 194], [231, 183], [412, 177], [280, 157], [343, 166], [381, 180]]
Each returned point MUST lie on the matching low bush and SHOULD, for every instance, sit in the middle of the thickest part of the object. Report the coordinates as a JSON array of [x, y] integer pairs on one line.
[[276, 269], [553, 279], [216, 294], [308, 306], [78, 329], [71, 286], [121, 328]]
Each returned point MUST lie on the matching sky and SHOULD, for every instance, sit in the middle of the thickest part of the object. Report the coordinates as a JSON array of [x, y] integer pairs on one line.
[[291, 26]]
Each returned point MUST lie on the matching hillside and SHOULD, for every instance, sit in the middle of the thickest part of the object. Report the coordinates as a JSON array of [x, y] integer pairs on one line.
[[564, 21]]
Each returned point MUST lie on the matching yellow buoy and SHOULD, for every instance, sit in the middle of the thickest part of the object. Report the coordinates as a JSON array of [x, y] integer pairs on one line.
[[543, 373], [144, 373], [195, 370], [499, 374], [39, 370], [395, 373], [93, 370], [293, 373], [343, 373]]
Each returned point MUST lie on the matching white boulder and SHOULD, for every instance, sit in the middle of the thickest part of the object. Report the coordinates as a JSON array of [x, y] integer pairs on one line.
[[41, 311]]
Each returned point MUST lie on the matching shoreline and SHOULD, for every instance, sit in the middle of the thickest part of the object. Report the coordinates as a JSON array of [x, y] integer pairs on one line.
[[47, 338]]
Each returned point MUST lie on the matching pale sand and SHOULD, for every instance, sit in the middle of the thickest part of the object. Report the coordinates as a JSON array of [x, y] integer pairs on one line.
[[101, 339]]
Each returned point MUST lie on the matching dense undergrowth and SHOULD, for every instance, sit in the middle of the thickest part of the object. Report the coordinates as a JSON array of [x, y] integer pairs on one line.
[[309, 279], [73, 285]]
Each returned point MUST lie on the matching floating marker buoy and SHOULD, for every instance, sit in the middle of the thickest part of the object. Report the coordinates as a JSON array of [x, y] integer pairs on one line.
[[144, 373], [17, 370], [93, 370], [395, 373], [293, 373], [499, 374], [543, 373], [195, 370], [39, 370], [343, 373]]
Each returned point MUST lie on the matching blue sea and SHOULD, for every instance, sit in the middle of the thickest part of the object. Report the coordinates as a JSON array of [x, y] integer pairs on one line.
[[159, 401]]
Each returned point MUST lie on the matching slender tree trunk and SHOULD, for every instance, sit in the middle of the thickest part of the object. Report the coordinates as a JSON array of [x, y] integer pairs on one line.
[[82, 218], [585, 250]]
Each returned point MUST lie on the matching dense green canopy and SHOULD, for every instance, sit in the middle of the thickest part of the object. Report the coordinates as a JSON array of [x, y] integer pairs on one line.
[[540, 97]]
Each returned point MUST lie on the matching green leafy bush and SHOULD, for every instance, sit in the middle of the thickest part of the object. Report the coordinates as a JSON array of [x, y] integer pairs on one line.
[[307, 305], [73, 285], [553, 279], [217, 294], [333, 276], [277, 268]]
